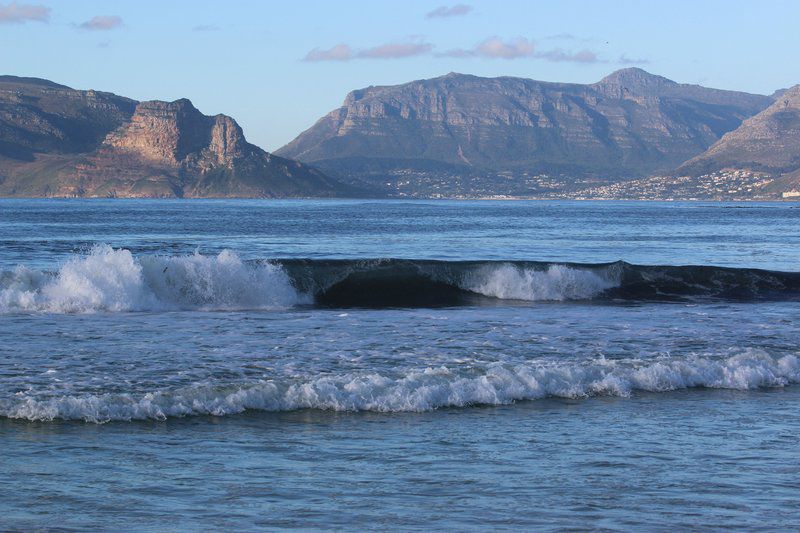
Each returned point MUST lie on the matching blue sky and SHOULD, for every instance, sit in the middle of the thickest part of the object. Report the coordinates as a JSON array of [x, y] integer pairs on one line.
[[276, 67]]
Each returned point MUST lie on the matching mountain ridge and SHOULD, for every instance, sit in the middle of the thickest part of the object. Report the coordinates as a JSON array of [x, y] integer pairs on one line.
[[630, 123], [768, 141], [58, 141]]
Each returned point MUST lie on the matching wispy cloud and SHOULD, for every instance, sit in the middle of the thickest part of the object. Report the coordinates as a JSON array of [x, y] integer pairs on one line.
[[395, 50], [15, 13], [519, 48], [496, 48], [625, 60], [102, 23], [457, 10], [343, 52], [490, 48], [562, 37], [340, 52], [559, 56], [206, 27]]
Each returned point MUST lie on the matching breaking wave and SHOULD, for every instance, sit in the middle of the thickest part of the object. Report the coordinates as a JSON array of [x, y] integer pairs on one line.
[[421, 390], [114, 280]]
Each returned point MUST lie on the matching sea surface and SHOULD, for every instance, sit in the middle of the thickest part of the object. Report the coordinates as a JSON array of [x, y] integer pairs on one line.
[[374, 365]]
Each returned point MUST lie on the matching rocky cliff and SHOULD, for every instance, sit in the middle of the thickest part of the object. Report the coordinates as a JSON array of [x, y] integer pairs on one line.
[[629, 124], [767, 142], [56, 141]]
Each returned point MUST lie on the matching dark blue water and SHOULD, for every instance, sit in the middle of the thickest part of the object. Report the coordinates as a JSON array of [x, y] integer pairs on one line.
[[242, 364]]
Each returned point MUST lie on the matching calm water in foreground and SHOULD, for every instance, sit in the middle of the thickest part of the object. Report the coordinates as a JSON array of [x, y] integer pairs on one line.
[[236, 364]]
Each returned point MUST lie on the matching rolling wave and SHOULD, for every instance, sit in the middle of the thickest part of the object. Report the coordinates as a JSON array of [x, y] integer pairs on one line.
[[114, 280], [420, 389]]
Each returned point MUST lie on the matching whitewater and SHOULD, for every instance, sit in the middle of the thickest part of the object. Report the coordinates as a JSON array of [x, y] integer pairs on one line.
[[418, 390]]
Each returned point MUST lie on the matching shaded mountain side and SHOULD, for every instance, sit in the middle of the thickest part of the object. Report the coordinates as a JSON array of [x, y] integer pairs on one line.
[[39, 116], [767, 142], [56, 141], [631, 123]]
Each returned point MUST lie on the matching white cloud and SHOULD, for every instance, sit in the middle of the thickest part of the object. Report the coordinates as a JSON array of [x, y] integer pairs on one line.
[[343, 52], [340, 52], [395, 50], [457, 10], [496, 48], [102, 23], [15, 13], [558, 56]]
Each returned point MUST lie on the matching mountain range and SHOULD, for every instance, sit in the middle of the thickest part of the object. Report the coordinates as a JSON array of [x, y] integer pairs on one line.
[[57, 141], [506, 130], [458, 135]]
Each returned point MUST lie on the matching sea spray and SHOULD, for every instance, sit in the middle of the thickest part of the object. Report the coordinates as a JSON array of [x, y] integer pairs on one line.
[[113, 280], [556, 283]]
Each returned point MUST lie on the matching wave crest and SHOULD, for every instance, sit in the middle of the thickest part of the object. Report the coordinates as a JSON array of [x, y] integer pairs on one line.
[[556, 283], [113, 280], [423, 390]]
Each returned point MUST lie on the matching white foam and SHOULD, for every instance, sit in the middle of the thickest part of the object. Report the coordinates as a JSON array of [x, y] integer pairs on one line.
[[423, 389], [113, 280], [557, 283]]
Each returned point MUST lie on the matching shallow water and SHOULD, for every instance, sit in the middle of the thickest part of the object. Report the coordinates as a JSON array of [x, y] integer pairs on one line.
[[208, 364], [684, 459]]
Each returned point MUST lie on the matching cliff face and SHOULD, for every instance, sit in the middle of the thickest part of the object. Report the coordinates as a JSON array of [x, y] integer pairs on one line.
[[55, 141], [39, 116], [631, 123], [767, 142]]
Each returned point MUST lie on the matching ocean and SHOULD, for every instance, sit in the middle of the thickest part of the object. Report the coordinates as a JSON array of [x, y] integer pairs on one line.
[[362, 365]]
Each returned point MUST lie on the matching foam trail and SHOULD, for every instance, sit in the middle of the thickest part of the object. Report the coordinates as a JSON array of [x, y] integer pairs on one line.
[[113, 280], [421, 389], [557, 283]]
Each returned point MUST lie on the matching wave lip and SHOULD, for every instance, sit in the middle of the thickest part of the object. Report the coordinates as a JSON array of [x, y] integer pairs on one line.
[[422, 389]]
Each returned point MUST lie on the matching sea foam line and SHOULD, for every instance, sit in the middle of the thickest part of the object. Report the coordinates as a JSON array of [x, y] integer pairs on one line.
[[420, 390]]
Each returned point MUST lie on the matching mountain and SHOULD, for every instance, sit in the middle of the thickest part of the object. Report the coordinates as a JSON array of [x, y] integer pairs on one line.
[[57, 141], [767, 142], [505, 132]]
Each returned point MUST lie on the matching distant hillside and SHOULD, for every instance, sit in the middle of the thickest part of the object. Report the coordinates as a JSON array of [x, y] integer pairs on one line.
[[767, 142], [57, 141], [497, 132]]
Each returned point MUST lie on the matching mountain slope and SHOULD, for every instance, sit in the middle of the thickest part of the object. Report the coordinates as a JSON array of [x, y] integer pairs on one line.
[[631, 123], [56, 141], [767, 142]]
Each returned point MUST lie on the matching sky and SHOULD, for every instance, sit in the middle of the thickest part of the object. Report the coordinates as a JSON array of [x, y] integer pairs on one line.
[[278, 66]]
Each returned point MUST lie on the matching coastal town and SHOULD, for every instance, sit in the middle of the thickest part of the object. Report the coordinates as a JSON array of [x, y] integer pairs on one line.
[[729, 184]]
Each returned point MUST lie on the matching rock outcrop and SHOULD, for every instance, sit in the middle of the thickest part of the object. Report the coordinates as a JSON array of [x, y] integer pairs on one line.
[[629, 124], [56, 141]]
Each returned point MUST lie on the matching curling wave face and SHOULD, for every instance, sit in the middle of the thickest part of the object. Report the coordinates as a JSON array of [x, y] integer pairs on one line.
[[114, 280], [420, 389]]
